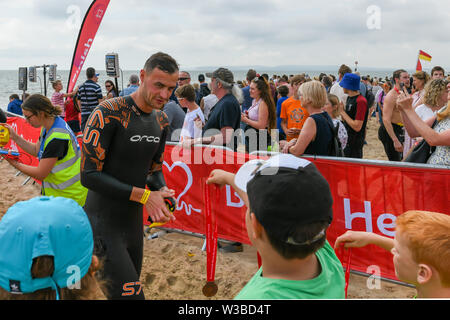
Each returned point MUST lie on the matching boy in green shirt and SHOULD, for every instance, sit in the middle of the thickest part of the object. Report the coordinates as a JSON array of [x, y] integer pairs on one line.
[[289, 209]]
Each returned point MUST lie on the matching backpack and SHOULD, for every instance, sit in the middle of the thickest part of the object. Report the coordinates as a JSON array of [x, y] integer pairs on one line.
[[335, 147], [370, 98]]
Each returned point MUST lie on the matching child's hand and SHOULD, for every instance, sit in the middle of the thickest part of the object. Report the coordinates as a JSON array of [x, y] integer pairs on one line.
[[220, 177], [353, 239]]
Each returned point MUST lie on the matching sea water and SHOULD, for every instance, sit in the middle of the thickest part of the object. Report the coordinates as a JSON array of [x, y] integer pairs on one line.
[[9, 79]]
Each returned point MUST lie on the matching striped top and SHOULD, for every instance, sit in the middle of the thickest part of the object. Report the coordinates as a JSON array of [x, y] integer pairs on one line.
[[89, 93], [58, 100]]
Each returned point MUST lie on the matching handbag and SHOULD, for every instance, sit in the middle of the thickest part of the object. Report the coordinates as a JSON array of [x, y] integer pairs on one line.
[[421, 152]]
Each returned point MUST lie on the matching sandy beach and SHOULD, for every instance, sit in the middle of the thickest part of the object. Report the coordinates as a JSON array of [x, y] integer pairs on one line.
[[174, 266]]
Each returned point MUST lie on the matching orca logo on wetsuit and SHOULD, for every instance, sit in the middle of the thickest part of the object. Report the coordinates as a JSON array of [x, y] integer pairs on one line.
[[138, 138]]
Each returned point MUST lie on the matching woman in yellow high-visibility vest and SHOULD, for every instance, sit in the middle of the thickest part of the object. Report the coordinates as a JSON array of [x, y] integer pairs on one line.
[[57, 150]]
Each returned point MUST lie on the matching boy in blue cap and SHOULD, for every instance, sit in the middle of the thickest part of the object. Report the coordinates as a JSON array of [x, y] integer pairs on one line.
[[289, 209], [354, 115], [46, 252]]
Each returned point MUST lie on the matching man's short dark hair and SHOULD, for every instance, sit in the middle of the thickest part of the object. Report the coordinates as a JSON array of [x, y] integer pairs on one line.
[[437, 68], [163, 62], [251, 74], [397, 73], [90, 73], [283, 91]]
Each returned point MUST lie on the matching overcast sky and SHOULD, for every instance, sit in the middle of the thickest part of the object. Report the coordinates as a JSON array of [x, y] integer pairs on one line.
[[384, 33]]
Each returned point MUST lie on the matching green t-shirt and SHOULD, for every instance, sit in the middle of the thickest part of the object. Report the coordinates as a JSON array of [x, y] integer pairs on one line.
[[329, 284]]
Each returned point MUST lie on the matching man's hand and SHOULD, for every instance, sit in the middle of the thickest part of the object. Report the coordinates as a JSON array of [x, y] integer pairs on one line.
[[156, 207], [404, 101], [398, 145]]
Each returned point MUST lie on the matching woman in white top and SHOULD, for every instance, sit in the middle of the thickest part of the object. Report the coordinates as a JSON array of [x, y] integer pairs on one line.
[[420, 79], [194, 119], [438, 136], [261, 117]]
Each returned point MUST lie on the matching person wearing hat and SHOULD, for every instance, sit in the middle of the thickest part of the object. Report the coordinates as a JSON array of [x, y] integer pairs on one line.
[[226, 114], [89, 95], [46, 252], [289, 209], [354, 115]]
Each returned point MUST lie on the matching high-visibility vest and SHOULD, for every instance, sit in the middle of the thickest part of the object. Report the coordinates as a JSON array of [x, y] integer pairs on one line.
[[64, 178]]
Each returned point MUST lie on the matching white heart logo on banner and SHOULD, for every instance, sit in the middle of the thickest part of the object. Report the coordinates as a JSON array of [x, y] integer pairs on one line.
[[187, 207]]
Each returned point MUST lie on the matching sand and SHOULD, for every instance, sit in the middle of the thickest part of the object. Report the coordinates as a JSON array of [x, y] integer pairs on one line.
[[174, 266]]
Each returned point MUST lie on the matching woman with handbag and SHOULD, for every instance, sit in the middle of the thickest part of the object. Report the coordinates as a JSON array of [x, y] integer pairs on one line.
[[435, 130]]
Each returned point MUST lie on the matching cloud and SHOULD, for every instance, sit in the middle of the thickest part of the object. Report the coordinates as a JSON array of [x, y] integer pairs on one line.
[[233, 32]]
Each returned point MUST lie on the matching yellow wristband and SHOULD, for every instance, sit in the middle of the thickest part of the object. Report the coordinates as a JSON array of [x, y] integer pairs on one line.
[[145, 196]]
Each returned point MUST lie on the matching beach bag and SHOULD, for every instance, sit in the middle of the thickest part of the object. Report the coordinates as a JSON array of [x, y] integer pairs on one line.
[[421, 152], [370, 98]]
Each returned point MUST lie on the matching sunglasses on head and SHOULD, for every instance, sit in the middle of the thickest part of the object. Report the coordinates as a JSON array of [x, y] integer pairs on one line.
[[182, 79]]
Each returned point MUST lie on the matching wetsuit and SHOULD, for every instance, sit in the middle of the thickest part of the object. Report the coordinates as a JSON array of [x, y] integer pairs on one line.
[[122, 147]]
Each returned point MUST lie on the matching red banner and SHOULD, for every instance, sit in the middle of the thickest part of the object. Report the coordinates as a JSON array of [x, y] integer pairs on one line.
[[368, 196], [27, 132], [88, 30]]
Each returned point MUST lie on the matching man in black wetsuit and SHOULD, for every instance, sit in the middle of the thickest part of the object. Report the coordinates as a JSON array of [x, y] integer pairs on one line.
[[123, 147]]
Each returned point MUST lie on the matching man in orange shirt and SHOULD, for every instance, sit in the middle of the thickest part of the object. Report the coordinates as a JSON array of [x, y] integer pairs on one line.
[[293, 115]]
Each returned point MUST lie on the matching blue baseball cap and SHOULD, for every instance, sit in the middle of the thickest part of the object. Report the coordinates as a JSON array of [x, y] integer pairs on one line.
[[44, 226], [351, 81]]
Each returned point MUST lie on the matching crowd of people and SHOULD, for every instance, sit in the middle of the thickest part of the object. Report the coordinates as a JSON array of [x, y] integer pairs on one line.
[[94, 195]]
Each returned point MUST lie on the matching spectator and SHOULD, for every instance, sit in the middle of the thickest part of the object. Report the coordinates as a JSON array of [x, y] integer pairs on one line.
[[248, 100], [133, 86], [354, 115], [438, 136], [392, 132], [111, 90], [332, 108], [55, 234], [293, 114], [437, 73], [89, 95], [283, 92], [207, 103], [327, 83], [203, 90], [260, 118], [14, 105], [194, 119], [72, 116], [175, 115], [336, 89], [224, 118], [420, 79], [421, 250], [57, 98], [316, 135], [289, 210]]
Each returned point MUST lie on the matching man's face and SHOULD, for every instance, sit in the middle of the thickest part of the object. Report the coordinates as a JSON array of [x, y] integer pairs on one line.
[[437, 75], [404, 264], [183, 79], [404, 78], [214, 86], [157, 87]]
